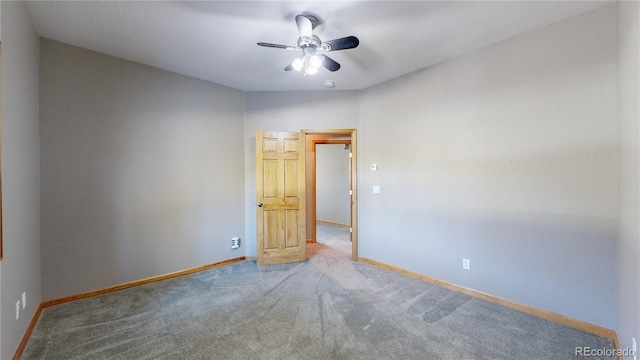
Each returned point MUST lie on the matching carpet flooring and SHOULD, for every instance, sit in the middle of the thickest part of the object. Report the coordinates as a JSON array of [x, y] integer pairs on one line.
[[335, 237], [326, 308]]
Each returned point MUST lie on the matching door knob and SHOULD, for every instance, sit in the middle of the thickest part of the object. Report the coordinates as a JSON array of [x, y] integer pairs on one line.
[[260, 204]]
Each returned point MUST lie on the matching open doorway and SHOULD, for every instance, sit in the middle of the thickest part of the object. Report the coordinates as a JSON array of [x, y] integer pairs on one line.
[[338, 224], [333, 202]]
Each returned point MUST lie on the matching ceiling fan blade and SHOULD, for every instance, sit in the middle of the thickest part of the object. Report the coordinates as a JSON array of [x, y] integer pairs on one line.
[[329, 63], [305, 27], [278, 46], [348, 42]]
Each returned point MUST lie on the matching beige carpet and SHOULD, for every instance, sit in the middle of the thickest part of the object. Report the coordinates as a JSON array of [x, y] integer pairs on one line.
[[336, 237], [326, 308]]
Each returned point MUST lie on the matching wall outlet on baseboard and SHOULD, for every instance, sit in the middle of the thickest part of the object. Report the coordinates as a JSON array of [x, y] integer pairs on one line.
[[235, 242], [466, 264]]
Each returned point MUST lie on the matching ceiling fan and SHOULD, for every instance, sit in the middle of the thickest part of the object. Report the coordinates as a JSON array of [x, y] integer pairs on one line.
[[310, 44]]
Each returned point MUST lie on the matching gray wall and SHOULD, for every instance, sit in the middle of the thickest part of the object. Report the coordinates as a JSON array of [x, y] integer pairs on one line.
[[20, 174], [142, 171], [332, 183], [628, 262], [505, 156], [289, 111]]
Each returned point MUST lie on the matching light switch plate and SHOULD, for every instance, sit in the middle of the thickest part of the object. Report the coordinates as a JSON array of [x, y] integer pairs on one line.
[[466, 264], [376, 189], [374, 167]]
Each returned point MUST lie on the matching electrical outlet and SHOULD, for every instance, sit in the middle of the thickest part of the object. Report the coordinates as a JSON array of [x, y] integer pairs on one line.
[[466, 264], [235, 243], [24, 300], [634, 348], [18, 310]]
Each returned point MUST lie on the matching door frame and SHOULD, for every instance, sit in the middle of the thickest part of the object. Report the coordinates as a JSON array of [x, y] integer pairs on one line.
[[336, 136], [313, 207]]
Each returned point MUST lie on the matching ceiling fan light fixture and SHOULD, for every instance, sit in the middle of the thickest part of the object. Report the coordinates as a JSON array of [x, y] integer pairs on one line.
[[310, 70], [315, 62], [310, 43], [298, 64]]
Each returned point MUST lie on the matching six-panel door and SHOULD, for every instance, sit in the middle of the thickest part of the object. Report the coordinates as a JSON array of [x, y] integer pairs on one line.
[[280, 196]]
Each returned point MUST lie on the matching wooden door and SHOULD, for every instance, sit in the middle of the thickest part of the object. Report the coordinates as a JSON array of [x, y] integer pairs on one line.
[[280, 197]]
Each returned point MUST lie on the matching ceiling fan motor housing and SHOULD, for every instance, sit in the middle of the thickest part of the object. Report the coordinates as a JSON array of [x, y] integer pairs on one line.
[[305, 41]]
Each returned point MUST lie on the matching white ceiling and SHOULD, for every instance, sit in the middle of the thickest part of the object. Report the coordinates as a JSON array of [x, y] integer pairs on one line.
[[216, 40]]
